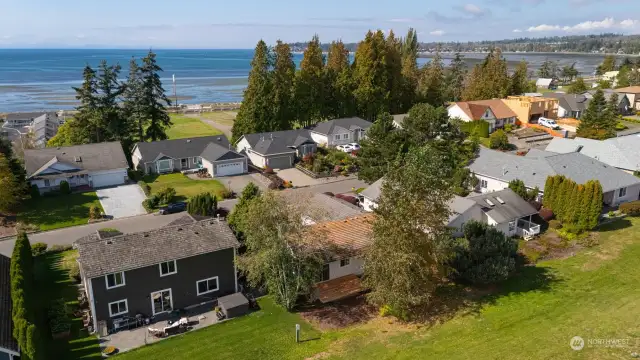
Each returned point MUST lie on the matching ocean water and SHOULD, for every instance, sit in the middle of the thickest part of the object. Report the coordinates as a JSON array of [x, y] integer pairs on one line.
[[33, 80]]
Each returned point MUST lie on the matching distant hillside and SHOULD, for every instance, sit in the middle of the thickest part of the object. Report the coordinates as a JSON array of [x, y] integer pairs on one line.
[[604, 43]]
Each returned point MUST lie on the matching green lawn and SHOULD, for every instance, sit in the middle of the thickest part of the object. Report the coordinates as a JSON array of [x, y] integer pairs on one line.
[[52, 281], [185, 127], [185, 187], [265, 334], [222, 117], [594, 294], [60, 211]]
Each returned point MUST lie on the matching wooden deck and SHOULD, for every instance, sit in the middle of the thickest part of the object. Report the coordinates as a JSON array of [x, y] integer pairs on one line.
[[339, 288]]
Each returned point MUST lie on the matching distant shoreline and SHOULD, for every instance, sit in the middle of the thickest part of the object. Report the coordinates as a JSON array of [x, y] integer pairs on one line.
[[425, 54]]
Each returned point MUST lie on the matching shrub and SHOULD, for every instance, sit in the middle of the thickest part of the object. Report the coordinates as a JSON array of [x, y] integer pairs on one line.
[[337, 169], [499, 140], [555, 224], [317, 166], [151, 203], [95, 213], [58, 315], [477, 128], [508, 128], [135, 175], [484, 256], [385, 310], [166, 195], [35, 191], [308, 159], [74, 271], [203, 204], [631, 208], [620, 126], [38, 248], [227, 194], [145, 187], [59, 248], [546, 214], [64, 187]]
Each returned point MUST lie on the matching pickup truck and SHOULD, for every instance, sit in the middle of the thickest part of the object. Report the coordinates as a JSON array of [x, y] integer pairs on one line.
[[550, 123]]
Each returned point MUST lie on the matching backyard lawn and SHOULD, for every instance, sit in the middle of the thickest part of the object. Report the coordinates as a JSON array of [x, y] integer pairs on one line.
[[185, 127], [222, 117], [594, 294], [185, 187], [53, 282], [60, 211]]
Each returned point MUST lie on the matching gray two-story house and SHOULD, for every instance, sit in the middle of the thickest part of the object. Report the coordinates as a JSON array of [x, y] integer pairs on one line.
[[153, 273], [340, 131]]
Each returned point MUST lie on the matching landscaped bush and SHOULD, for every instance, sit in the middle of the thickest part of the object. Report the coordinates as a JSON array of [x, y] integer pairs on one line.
[[38, 248], [203, 204], [95, 213], [620, 126], [58, 315], [145, 187], [498, 140], [35, 192], [631, 208], [166, 195], [485, 255], [59, 248], [317, 166], [508, 128], [64, 187], [227, 194], [151, 203], [546, 214], [74, 271], [555, 224], [478, 128], [135, 175]]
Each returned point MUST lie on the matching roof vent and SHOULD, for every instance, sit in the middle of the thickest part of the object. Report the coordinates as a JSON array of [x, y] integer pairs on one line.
[[77, 158], [489, 202], [271, 136], [499, 200], [179, 229], [146, 235], [219, 138], [108, 242], [188, 140]]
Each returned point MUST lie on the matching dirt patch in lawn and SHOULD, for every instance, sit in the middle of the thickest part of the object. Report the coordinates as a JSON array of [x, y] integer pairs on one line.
[[7, 226], [339, 314]]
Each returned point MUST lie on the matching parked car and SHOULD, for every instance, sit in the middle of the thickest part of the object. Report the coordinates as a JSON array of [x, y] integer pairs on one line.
[[354, 146], [550, 123], [344, 148], [173, 208]]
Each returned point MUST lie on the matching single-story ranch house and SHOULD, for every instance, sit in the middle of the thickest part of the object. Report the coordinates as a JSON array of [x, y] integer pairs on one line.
[[278, 149], [496, 169], [213, 153], [621, 152], [340, 131], [8, 345], [91, 165], [152, 273], [503, 209], [493, 111]]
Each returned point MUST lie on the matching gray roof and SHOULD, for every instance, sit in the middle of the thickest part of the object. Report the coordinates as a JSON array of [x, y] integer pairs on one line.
[[537, 153], [277, 142], [322, 206], [131, 251], [214, 152], [186, 148], [373, 191], [6, 324], [533, 171], [232, 301], [28, 115], [399, 119], [622, 152], [510, 208], [340, 126], [92, 157], [458, 206], [572, 102]]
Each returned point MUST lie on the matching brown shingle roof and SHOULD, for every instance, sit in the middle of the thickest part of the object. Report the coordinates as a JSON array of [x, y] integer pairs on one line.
[[629, 90], [475, 109], [6, 324], [132, 251], [351, 235]]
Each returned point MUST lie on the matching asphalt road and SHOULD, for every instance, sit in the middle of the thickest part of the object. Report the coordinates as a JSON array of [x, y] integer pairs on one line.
[[151, 221]]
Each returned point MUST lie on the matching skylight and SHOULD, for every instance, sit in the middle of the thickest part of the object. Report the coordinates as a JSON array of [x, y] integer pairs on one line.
[[499, 200], [490, 202]]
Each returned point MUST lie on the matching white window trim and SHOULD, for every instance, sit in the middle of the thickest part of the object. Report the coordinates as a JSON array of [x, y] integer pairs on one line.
[[620, 192], [195, 160], [484, 183], [208, 291], [345, 136], [175, 266], [106, 281], [126, 305], [153, 310], [348, 260], [512, 225], [337, 136]]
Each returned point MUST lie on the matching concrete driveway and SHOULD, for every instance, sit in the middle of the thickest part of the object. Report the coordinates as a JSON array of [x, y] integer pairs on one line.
[[122, 201], [238, 182], [298, 178]]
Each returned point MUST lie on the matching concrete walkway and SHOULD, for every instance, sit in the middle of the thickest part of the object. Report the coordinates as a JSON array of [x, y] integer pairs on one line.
[[122, 201]]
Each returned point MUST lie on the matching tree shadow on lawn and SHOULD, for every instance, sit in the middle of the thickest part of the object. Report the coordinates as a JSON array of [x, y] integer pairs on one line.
[[454, 300], [615, 225]]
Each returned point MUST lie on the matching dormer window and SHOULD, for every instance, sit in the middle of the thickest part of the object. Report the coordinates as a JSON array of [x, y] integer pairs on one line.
[[168, 268]]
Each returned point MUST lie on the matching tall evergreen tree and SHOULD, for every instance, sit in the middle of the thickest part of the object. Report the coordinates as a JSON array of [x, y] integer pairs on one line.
[[519, 80], [548, 191], [608, 64], [431, 87], [132, 105], [395, 81], [284, 70], [154, 100], [578, 86], [339, 96], [489, 79], [597, 122], [10, 191], [595, 206], [255, 112], [85, 128], [370, 76], [110, 124], [455, 78], [409, 52], [310, 88], [383, 144]]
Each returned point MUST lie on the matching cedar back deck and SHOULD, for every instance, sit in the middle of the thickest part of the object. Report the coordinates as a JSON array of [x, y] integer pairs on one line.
[[339, 288]]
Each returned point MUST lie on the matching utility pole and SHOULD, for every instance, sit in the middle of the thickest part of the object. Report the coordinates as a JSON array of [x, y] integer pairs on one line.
[[175, 94]]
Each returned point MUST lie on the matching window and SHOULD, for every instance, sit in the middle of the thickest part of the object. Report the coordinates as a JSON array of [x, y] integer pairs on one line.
[[47, 183], [207, 285], [344, 262], [115, 280], [118, 308], [164, 165], [161, 301], [336, 137], [622, 192], [512, 225], [168, 268], [325, 273], [197, 160], [184, 163], [483, 184], [345, 136]]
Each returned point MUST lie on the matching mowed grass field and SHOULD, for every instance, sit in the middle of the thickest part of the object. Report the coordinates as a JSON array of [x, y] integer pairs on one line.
[[223, 117], [186, 127], [54, 212], [595, 295], [185, 187]]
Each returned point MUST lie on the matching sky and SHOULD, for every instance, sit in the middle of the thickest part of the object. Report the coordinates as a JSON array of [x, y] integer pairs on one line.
[[239, 24]]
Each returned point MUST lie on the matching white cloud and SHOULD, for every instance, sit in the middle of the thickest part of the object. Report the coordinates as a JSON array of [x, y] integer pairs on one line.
[[472, 9], [517, 30], [437, 32], [401, 20], [586, 26]]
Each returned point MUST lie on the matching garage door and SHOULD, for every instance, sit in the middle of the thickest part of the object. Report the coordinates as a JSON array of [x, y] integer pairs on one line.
[[282, 162], [230, 169], [108, 179]]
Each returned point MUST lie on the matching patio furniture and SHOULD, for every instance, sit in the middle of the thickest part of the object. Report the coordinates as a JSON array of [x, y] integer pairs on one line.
[[233, 305], [156, 332]]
